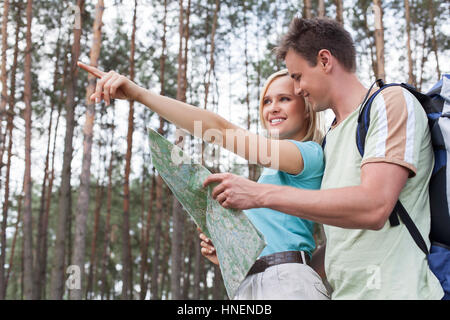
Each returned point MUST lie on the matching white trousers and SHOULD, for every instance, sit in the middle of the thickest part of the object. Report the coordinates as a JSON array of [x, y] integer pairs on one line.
[[287, 281]]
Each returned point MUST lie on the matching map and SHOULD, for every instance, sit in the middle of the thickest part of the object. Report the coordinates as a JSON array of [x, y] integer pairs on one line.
[[238, 243]]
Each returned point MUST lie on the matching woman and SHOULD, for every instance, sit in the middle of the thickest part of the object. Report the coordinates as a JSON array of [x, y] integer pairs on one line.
[[282, 271]]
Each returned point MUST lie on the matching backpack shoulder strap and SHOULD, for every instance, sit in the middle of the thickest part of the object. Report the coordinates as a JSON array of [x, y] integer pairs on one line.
[[409, 224], [364, 118], [324, 141]]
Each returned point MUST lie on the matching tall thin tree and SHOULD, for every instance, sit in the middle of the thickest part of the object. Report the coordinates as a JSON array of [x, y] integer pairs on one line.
[[159, 182], [127, 282], [9, 131], [433, 36], [57, 278], [321, 9], [379, 39], [27, 214], [339, 11], [411, 78], [307, 10], [39, 276], [177, 210], [4, 93], [9, 128], [85, 177], [107, 234]]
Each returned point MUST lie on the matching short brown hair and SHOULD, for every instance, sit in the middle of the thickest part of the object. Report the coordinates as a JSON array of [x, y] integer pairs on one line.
[[308, 36]]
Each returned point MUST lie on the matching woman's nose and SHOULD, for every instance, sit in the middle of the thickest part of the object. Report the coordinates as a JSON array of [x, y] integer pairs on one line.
[[274, 107]]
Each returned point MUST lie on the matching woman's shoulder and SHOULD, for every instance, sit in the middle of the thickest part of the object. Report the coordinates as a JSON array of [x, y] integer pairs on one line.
[[308, 146], [313, 157]]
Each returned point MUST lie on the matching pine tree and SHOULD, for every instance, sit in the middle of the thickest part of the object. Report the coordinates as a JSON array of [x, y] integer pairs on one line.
[[57, 279]]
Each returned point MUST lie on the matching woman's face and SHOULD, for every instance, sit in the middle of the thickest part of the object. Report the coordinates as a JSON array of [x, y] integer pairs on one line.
[[284, 112]]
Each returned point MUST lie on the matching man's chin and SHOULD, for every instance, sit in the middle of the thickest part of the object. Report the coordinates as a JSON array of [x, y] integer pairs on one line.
[[318, 107]]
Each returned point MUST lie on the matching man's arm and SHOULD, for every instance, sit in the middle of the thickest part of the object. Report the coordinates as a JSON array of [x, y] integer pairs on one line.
[[366, 206]]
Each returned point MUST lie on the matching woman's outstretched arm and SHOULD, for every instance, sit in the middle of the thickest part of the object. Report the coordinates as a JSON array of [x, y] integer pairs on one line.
[[201, 123]]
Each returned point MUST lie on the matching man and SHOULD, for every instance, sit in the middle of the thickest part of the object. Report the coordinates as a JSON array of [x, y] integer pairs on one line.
[[365, 258]]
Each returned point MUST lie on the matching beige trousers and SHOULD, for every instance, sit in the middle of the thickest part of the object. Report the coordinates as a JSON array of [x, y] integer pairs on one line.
[[287, 281]]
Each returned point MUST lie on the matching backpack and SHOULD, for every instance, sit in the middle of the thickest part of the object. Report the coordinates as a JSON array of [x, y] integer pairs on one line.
[[436, 104]]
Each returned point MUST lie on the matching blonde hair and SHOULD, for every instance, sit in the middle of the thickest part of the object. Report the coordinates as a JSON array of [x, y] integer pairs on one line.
[[315, 131]]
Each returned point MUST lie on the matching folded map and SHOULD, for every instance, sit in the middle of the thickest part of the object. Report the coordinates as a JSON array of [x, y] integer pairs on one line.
[[238, 243]]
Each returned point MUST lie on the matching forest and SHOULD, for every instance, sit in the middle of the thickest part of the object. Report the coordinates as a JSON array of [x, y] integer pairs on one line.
[[77, 185]]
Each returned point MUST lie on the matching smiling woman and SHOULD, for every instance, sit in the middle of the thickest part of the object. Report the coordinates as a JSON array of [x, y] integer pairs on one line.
[[278, 98]]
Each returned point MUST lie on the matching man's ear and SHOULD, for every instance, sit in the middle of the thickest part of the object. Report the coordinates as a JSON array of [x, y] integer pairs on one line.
[[325, 59]]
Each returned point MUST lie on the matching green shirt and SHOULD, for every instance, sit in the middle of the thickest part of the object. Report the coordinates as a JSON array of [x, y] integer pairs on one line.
[[383, 264]]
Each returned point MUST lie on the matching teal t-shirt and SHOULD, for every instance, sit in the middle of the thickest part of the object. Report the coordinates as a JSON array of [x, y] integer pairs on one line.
[[285, 232]]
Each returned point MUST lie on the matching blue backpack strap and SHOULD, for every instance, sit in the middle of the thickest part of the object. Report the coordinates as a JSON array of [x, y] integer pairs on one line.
[[361, 133], [410, 225], [324, 141], [364, 116]]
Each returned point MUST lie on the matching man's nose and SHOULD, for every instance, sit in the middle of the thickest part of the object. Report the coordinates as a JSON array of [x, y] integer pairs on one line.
[[298, 89]]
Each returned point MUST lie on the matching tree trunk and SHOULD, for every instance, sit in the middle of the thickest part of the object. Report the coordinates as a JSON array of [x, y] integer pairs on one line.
[[211, 56], [218, 283], [27, 214], [159, 181], [424, 58], [190, 257], [107, 235], [39, 280], [321, 9], [198, 268], [251, 164], [157, 238], [13, 246], [411, 78], [144, 174], [177, 210], [90, 290], [79, 250], [51, 179], [146, 238], [433, 36], [339, 11], [57, 282], [164, 275], [379, 39], [48, 204], [3, 103], [127, 286], [210, 69], [9, 130], [307, 13], [4, 98]]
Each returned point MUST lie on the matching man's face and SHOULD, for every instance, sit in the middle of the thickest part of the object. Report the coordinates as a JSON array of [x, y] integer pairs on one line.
[[308, 81]]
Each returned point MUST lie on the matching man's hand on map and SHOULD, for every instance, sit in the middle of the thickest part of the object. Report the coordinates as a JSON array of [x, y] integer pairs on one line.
[[235, 192], [208, 250]]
